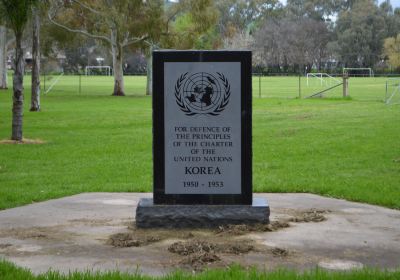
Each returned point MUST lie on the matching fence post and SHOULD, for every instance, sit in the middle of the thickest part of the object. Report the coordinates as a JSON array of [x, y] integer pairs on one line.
[[345, 85], [80, 83], [386, 91], [299, 85], [259, 85]]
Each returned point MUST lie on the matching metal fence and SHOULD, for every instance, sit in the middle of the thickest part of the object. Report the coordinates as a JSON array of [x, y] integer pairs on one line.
[[264, 86]]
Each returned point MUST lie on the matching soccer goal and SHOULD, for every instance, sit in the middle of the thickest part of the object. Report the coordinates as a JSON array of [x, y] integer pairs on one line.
[[358, 72], [392, 93], [97, 70], [323, 79]]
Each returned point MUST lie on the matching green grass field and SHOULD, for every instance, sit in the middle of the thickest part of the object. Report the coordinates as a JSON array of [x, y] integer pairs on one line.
[[95, 142], [9, 271]]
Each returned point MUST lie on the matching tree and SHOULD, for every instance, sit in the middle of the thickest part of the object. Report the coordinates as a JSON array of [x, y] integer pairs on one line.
[[17, 14], [243, 16], [360, 32], [5, 43], [316, 9], [392, 50], [3, 57], [35, 89], [118, 24], [240, 40], [392, 19], [184, 25], [292, 41]]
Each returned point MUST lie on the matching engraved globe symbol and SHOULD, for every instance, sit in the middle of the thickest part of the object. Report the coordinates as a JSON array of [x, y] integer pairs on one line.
[[202, 93]]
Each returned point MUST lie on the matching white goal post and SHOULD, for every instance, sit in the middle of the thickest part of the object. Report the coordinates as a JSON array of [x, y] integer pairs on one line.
[[346, 70], [392, 93], [88, 69], [323, 78]]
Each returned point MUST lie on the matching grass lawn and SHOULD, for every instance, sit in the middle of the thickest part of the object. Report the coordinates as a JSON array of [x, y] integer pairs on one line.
[[95, 142], [9, 271]]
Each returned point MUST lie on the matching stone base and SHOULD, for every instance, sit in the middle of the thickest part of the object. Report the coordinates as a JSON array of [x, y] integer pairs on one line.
[[149, 215]]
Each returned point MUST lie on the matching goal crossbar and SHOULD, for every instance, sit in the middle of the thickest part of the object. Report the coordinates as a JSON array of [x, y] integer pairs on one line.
[[347, 69], [320, 77], [87, 69]]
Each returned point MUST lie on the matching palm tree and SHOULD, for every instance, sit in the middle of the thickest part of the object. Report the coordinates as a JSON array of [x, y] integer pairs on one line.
[[16, 13]]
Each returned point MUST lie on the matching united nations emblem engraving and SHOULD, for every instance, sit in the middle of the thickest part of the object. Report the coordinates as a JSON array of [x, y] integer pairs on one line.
[[202, 93]]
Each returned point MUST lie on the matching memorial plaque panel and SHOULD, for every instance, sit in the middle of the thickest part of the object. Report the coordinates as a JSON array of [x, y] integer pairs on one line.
[[202, 127]]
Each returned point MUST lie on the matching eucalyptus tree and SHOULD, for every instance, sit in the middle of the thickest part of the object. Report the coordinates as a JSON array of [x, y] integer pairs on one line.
[[360, 34], [17, 14], [392, 18], [5, 42], [116, 23], [3, 57], [292, 41], [35, 89], [244, 16], [392, 51], [186, 24]]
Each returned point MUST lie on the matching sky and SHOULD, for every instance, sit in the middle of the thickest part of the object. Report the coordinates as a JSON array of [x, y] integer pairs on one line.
[[395, 3]]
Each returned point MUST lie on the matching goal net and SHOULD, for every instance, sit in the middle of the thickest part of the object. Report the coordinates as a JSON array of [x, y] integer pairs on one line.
[[392, 93], [321, 79], [321, 84], [358, 72], [97, 70]]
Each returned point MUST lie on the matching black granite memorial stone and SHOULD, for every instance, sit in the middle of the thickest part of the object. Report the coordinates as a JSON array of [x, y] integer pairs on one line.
[[202, 140]]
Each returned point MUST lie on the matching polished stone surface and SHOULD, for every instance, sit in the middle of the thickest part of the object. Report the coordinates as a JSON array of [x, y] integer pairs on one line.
[[149, 215]]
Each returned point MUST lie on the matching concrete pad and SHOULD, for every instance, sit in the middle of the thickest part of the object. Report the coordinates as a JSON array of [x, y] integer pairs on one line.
[[71, 233]]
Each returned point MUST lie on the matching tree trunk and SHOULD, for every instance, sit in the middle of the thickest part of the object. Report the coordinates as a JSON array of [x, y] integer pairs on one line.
[[3, 57], [18, 94], [35, 97], [149, 70], [117, 65]]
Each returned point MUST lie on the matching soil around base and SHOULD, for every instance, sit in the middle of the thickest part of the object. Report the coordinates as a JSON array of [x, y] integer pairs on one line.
[[198, 249], [23, 141]]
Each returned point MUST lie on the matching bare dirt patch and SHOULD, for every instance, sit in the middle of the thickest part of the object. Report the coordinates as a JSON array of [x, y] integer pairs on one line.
[[4, 246], [304, 216], [135, 237], [198, 254], [189, 249], [129, 239], [199, 248], [42, 233], [279, 252], [23, 141], [245, 229], [196, 246], [198, 261], [310, 215], [91, 222]]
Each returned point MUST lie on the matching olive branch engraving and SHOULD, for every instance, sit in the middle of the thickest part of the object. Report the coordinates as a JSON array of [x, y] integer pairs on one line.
[[225, 99], [182, 105], [179, 99]]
